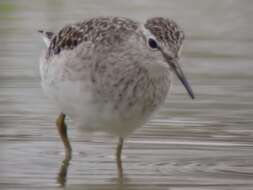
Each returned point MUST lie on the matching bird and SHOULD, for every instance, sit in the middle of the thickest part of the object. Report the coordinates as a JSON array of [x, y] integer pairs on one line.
[[111, 74]]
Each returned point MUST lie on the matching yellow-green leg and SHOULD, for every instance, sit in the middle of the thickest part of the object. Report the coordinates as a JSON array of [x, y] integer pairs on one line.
[[62, 129]]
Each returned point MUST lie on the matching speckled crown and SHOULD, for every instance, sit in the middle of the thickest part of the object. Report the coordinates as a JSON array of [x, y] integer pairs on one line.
[[166, 31]]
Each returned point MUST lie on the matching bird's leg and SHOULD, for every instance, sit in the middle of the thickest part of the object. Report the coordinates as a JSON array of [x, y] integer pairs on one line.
[[62, 129], [118, 157]]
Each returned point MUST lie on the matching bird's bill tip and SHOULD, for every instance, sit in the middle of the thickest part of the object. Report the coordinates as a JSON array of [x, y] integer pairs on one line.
[[179, 72]]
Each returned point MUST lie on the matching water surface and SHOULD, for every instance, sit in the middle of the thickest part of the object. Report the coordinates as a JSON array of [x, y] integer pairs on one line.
[[205, 144]]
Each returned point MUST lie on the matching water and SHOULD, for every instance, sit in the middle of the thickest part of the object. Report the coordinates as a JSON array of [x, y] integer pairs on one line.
[[205, 144]]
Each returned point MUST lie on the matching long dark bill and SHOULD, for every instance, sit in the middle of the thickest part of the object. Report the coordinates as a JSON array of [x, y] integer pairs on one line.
[[179, 72]]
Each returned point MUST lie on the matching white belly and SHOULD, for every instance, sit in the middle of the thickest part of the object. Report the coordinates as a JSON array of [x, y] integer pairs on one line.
[[75, 99], [74, 96], [87, 114]]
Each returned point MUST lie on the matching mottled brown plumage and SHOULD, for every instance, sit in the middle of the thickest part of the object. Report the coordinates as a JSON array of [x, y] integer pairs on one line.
[[102, 30]]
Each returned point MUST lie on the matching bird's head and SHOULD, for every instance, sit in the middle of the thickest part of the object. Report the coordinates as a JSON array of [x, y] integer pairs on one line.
[[164, 40]]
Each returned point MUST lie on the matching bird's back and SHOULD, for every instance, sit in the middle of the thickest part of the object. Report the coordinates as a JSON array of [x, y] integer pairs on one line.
[[99, 31]]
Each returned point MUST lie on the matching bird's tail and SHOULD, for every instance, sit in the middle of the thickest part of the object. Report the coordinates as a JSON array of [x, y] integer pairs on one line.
[[46, 36]]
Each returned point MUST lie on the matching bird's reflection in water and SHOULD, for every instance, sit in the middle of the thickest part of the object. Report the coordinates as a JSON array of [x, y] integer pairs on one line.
[[63, 172], [114, 187], [62, 175]]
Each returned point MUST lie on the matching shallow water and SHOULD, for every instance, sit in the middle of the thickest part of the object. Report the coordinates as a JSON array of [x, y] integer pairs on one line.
[[205, 144]]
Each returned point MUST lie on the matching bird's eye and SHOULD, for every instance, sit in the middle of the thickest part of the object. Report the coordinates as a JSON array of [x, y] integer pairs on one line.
[[152, 43]]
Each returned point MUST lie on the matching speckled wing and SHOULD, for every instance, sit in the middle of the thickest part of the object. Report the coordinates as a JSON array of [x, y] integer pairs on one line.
[[99, 31]]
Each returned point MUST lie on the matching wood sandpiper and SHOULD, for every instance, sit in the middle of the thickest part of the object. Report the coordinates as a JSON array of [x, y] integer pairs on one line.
[[110, 74]]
